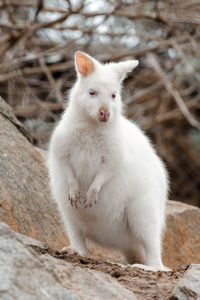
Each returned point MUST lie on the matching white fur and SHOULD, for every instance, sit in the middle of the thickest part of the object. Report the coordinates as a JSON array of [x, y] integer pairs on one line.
[[114, 168]]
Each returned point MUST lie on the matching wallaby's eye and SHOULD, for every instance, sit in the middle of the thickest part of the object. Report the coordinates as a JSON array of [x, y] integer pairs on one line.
[[113, 96], [92, 92]]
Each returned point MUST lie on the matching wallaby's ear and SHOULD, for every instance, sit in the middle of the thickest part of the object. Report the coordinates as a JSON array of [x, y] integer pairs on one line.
[[122, 68], [84, 63]]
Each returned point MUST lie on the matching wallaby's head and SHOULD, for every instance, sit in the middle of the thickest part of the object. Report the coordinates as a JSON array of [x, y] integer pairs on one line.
[[97, 90]]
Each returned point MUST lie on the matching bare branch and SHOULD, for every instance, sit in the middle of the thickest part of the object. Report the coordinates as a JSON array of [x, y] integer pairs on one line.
[[171, 90]]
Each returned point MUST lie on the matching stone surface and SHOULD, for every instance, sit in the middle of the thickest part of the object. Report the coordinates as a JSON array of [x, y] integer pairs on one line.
[[27, 240], [144, 284], [182, 237], [86, 283], [188, 287], [25, 276], [25, 201], [7, 112], [30, 274]]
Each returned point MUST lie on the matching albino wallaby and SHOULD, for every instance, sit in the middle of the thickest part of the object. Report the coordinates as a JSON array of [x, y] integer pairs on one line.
[[108, 182]]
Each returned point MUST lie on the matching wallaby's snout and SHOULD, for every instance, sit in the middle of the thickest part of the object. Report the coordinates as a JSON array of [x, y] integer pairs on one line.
[[103, 114]]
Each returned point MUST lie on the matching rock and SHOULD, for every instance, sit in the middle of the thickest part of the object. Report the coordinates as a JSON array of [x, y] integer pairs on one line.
[[25, 276], [188, 287], [42, 152], [86, 283], [7, 112], [25, 200], [182, 237], [27, 240]]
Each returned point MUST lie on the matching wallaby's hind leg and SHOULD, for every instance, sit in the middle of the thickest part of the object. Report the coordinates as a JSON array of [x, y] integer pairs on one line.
[[153, 252], [145, 223]]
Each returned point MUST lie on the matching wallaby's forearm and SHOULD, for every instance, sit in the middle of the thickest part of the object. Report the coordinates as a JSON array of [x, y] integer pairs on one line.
[[103, 175]]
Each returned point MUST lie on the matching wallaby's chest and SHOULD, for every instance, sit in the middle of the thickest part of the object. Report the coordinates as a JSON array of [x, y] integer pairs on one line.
[[87, 142], [87, 150]]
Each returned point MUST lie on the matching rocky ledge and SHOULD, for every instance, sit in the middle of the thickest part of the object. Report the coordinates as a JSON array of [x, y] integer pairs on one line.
[[29, 270]]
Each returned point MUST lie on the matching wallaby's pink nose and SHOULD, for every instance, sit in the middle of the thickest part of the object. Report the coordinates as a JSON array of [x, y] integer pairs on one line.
[[103, 114]]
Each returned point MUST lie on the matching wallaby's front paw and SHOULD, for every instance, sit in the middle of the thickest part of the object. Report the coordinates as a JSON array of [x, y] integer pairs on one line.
[[92, 197], [74, 195]]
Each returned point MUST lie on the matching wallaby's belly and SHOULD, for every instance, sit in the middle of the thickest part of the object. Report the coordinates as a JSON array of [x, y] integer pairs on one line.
[[107, 220]]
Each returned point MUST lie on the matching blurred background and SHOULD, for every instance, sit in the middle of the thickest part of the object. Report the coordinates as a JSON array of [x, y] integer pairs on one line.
[[38, 39]]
